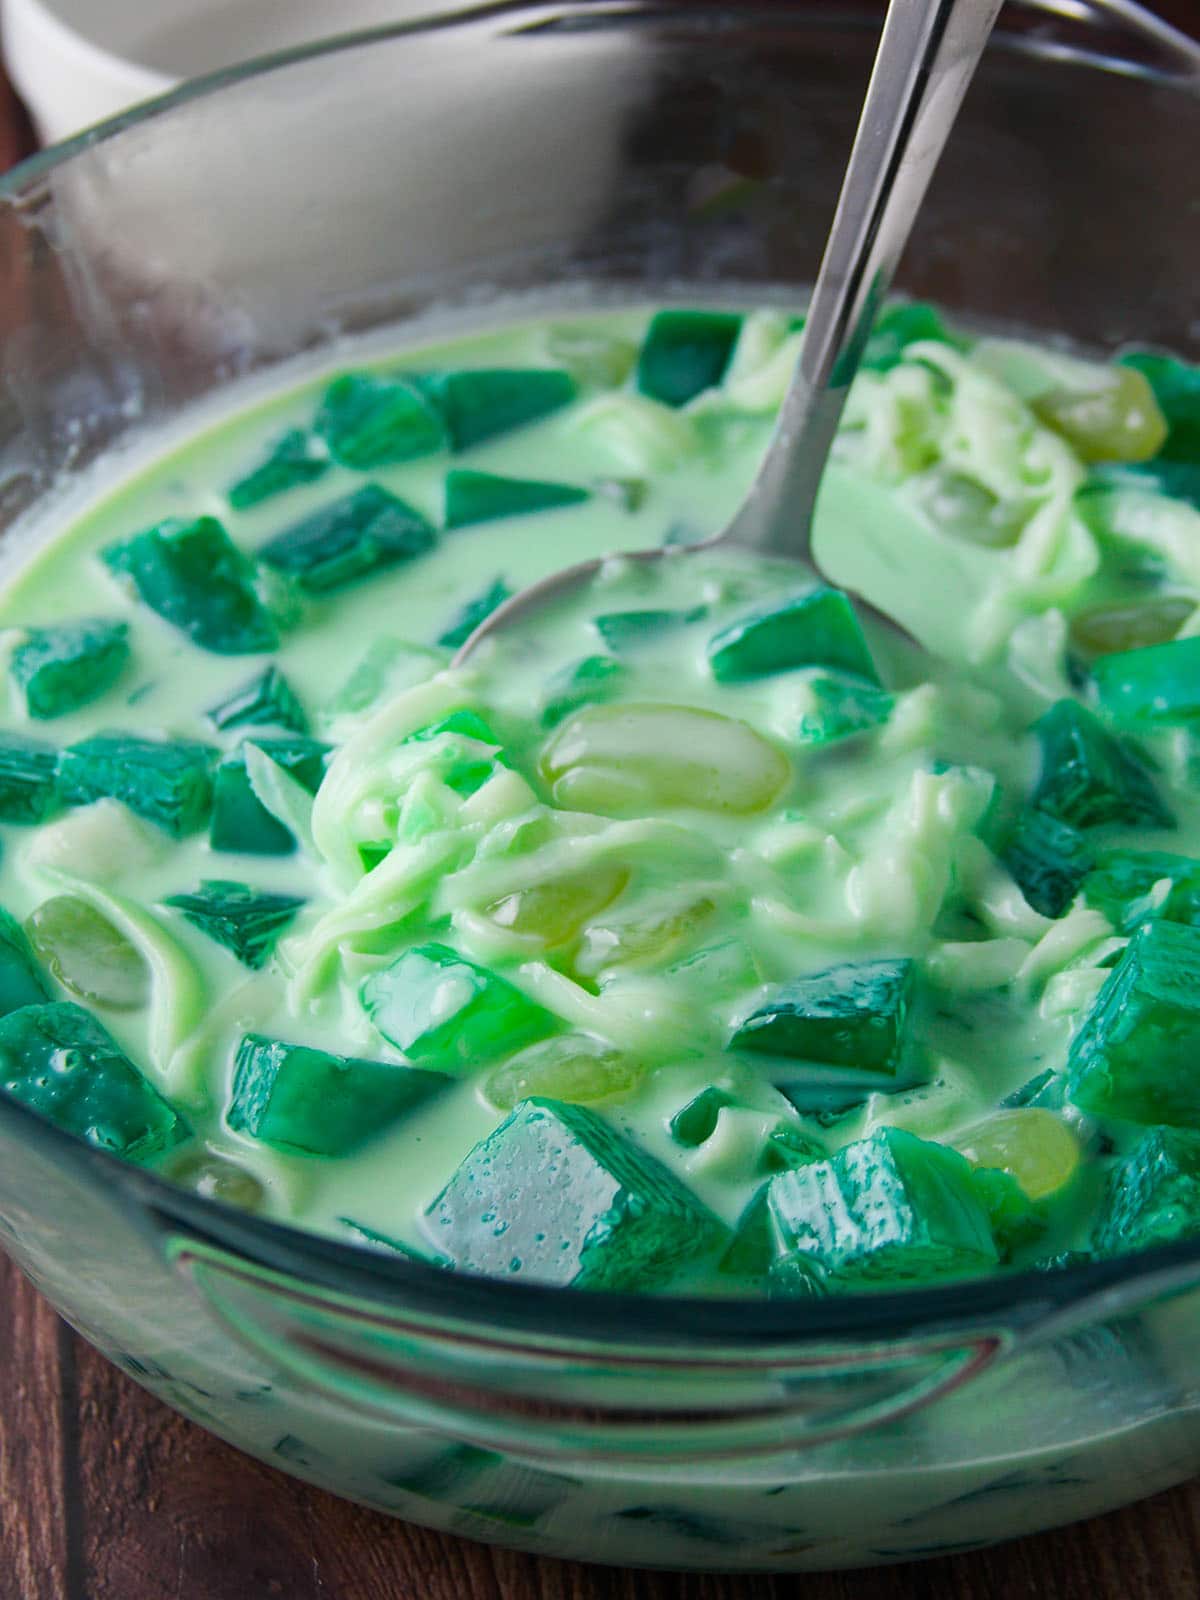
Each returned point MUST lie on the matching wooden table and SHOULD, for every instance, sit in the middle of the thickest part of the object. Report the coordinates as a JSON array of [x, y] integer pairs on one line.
[[107, 1495]]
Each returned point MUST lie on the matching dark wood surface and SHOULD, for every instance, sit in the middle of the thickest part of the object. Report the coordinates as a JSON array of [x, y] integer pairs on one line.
[[107, 1495]]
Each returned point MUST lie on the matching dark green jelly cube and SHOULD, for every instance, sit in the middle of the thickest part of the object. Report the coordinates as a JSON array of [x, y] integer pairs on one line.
[[479, 403], [1048, 859], [1136, 1055], [194, 576], [580, 683], [58, 1060], [1016, 1220], [22, 981], [754, 1246], [891, 1208], [556, 1195], [1178, 480], [818, 628], [469, 616], [169, 784], [686, 352], [852, 1015], [697, 1121], [246, 921], [1176, 386], [817, 1098], [841, 708], [1089, 776], [1155, 687], [787, 1147], [1152, 1196], [368, 421], [486, 497], [61, 668], [28, 778], [900, 326], [301, 1098], [465, 770], [623, 631], [268, 701], [294, 460], [359, 534], [240, 821], [1122, 884], [448, 1013]]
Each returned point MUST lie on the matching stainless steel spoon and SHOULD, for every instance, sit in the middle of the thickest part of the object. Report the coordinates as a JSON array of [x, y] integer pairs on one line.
[[927, 56]]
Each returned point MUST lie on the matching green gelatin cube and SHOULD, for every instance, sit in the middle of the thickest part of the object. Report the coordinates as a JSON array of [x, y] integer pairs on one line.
[[22, 982], [1124, 885], [61, 668], [697, 1121], [1153, 1195], [369, 421], [449, 1014], [818, 628], [1176, 386], [1090, 776], [465, 771], [28, 778], [1137, 1054], [897, 328], [268, 701], [787, 1148], [1155, 687], [168, 784], [240, 821], [58, 1060], [301, 1098], [752, 1250], [1048, 859], [486, 497], [359, 534], [623, 631], [1015, 1220], [293, 461], [580, 683], [246, 921], [1178, 480], [479, 403], [824, 1102], [840, 707], [686, 352], [463, 624], [891, 1208], [194, 576], [852, 1015], [555, 1195]]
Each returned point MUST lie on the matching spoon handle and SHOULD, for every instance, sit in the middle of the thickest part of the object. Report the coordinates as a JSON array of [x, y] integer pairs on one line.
[[927, 56]]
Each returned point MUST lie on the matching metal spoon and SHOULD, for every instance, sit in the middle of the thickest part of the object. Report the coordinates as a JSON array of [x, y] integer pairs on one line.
[[927, 56]]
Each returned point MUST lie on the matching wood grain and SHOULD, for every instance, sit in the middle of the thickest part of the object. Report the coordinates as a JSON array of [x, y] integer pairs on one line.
[[107, 1495]]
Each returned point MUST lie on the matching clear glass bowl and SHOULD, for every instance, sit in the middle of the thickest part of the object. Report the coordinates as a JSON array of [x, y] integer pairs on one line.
[[629, 149]]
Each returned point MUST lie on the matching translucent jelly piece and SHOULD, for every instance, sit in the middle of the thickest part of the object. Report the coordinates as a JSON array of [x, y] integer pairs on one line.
[[1037, 1148], [468, 617], [852, 1015], [467, 770], [28, 778], [1119, 420], [646, 932], [1016, 1219], [574, 1068], [751, 1251], [486, 497], [245, 921], [818, 628], [1131, 625], [555, 1195], [1137, 1054], [293, 460], [61, 668], [1123, 881], [369, 421], [449, 1014], [623, 631], [686, 352], [1176, 386], [305, 1099], [1154, 687], [697, 1121], [22, 982], [627, 759], [787, 1148], [1089, 776], [88, 955], [58, 1060], [552, 913], [240, 821], [824, 1102], [480, 403], [889, 1208], [387, 667], [839, 707], [897, 328], [359, 534], [580, 683], [194, 576], [1153, 1195], [1048, 859], [169, 784], [214, 1178], [592, 357], [266, 701]]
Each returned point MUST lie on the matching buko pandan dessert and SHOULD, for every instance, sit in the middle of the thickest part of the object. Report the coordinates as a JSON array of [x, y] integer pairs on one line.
[[699, 934]]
